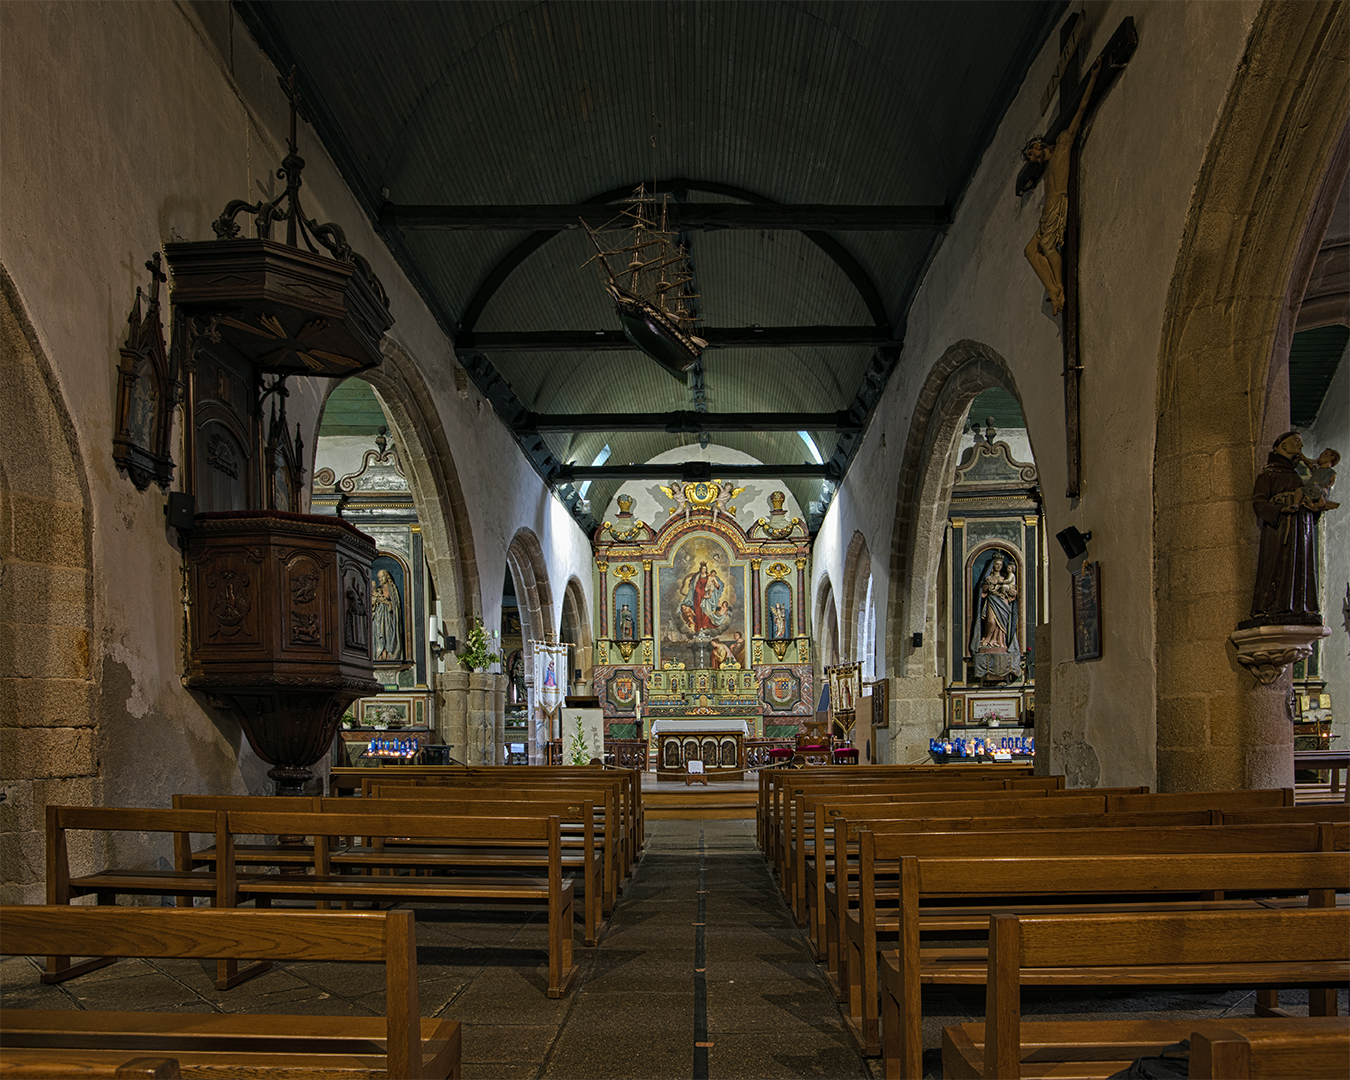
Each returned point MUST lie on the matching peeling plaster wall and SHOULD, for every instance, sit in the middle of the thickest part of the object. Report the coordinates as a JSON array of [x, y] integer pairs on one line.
[[126, 125], [1142, 153]]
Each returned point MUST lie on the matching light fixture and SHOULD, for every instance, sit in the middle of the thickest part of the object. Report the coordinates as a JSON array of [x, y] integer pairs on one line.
[[1073, 542]]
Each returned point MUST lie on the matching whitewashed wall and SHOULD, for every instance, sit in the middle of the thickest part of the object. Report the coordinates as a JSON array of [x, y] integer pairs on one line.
[[126, 125], [1142, 153]]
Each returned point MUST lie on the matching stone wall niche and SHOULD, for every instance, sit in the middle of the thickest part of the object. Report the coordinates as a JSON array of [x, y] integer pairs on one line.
[[279, 629]]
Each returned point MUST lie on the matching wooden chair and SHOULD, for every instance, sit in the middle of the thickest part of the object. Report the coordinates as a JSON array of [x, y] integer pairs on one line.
[[399, 1044]]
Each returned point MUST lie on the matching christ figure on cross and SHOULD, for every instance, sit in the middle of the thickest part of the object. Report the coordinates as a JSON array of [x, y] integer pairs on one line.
[[1042, 250]]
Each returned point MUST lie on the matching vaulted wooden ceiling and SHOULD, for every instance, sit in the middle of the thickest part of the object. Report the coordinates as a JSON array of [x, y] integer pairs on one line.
[[474, 134]]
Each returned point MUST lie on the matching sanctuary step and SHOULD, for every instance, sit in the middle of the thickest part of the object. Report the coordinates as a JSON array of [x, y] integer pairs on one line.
[[731, 800]]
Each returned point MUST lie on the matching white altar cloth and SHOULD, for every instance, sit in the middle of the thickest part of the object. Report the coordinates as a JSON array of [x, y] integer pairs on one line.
[[706, 725]]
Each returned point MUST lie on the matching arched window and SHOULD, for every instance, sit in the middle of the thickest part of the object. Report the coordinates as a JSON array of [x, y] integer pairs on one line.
[[865, 632]]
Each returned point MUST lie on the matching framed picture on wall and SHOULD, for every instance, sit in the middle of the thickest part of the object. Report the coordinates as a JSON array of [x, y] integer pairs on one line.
[[1087, 612], [881, 712], [956, 712]]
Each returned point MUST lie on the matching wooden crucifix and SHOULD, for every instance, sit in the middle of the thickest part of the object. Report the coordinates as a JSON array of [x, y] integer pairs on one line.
[[1053, 251]]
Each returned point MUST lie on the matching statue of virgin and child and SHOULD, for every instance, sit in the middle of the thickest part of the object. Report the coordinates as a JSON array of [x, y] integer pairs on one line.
[[994, 631]]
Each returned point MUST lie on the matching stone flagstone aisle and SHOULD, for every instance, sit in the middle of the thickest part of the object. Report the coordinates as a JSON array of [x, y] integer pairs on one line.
[[764, 1009]]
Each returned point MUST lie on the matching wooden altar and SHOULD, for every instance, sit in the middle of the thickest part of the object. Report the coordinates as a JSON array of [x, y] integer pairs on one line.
[[718, 743]]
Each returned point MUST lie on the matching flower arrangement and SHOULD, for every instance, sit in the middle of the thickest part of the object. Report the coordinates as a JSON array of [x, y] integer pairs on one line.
[[581, 755], [476, 655]]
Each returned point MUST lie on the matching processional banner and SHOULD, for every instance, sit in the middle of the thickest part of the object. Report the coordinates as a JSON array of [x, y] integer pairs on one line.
[[550, 676]]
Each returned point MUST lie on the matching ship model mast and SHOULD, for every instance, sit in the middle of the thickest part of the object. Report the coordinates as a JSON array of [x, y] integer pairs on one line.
[[650, 293]]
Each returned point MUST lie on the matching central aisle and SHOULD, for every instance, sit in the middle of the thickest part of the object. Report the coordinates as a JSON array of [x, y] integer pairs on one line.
[[719, 988]]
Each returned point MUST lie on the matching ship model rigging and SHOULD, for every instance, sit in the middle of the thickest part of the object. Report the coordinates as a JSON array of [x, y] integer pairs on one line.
[[652, 292]]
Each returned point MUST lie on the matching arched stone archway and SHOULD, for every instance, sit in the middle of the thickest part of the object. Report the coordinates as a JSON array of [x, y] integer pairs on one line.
[[434, 481], [857, 578], [48, 659], [926, 476], [534, 599], [1250, 238], [826, 622], [576, 628]]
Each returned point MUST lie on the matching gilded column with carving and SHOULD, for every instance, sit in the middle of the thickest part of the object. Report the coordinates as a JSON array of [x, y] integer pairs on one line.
[[801, 598], [756, 627], [603, 567], [646, 598]]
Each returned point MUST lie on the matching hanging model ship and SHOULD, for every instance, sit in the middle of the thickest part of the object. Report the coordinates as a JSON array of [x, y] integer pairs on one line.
[[650, 293]]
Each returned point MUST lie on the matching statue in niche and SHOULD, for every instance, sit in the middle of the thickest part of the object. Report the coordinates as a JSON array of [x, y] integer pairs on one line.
[[993, 637], [1287, 507], [1042, 250], [386, 617], [627, 629], [778, 616]]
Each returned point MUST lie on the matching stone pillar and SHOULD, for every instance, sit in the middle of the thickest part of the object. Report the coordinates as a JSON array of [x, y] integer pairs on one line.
[[499, 717], [481, 686], [1044, 733], [916, 708], [452, 704]]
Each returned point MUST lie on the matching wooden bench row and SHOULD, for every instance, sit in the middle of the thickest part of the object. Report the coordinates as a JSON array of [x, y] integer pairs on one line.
[[587, 841], [627, 783], [1093, 886], [43, 1042], [1291, 828], [226, 886], [1227, 949], [981, 829]]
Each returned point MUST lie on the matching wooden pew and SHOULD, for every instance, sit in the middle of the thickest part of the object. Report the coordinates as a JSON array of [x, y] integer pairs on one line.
[[185, 883], [800, 823], [848, 818], [1266, 806], [1246, 806], [1212, 948], [933, 777], [423, 791], [30, 1064], [771, 779], [400, 1044], [620, 803], [809, 824], [325, 883], [1309, 1047], [582, 851], [1106, 834], [1313, 1047], [1171, 881], [347, 780]]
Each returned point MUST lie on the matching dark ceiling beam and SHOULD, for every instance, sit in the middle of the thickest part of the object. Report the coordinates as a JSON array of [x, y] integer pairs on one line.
[[804, 217], [693, 470], [731, 337], [689, 422], [679, 187]]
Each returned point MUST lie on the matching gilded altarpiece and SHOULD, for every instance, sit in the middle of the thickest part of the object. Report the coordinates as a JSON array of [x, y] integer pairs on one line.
[[993, 579], [702, 617]]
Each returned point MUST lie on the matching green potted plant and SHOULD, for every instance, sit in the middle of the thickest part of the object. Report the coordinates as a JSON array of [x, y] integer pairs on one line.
[[581, 755], [476, 655]]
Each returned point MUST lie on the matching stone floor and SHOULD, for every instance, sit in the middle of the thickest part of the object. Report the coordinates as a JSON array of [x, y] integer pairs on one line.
[[640, 1007]]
